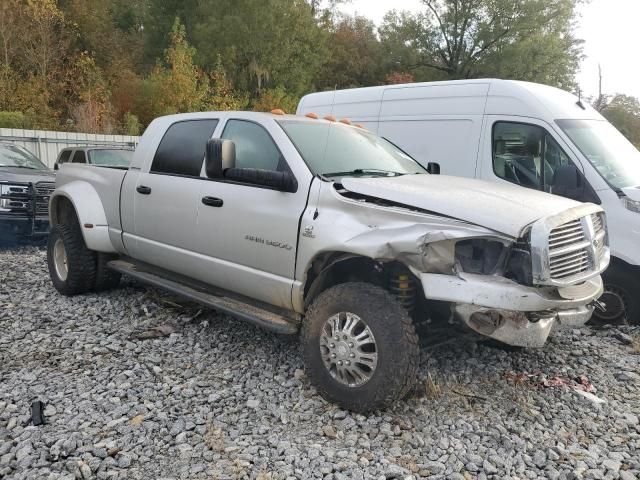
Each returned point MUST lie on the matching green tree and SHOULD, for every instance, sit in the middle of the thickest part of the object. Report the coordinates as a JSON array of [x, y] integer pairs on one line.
[[262, 43], [623, 111], [175, 86], [520, 39], [222, 95], [355, 55]]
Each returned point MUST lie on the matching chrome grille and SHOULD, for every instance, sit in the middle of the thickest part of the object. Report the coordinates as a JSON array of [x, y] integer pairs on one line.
[[43, 191], [568, 250]]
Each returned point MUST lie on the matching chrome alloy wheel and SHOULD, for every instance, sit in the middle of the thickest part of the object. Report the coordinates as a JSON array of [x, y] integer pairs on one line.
[[60, 260], [348, 349]]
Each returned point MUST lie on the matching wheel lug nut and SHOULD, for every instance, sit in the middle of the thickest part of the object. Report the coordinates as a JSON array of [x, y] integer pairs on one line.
[[340, 362], [348, 362], [352, 355], [350, 345], [333, 345], [333, 355]]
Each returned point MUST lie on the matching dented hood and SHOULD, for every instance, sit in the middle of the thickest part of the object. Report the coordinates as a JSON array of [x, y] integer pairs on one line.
[[501, 207]]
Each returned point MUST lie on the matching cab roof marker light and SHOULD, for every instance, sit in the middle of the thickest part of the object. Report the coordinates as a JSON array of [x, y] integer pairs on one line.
[[277, 111], [330, 118], [346, 121], [315, 116], [359, 126]]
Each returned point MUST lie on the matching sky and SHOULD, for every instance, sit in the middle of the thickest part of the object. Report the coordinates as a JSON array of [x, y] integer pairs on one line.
[[608, 27]]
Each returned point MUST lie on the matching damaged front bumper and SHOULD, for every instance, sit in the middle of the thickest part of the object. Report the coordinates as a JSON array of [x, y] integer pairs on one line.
[[506, 311]]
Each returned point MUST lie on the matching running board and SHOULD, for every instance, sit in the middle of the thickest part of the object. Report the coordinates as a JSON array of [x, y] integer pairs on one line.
[[201, 294]]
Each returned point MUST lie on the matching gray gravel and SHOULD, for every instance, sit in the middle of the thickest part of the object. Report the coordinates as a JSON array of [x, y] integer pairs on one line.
[[220, 399]]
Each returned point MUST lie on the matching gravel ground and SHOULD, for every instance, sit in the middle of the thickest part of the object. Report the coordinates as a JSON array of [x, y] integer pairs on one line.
[[220, 399]]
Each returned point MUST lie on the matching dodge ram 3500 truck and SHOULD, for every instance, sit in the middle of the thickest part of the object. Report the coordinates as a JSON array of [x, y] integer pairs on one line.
[[300, 224]]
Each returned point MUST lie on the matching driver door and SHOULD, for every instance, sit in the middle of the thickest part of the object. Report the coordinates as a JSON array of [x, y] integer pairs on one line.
[[523, 152], [247, 232]]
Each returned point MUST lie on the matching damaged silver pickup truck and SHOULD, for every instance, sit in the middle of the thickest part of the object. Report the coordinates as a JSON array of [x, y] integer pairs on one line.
[[312, 226]]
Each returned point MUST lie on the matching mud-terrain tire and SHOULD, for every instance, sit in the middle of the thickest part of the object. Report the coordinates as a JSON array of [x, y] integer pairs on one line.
[[106, 279], [395, 343], [72, 266], [622, 294]]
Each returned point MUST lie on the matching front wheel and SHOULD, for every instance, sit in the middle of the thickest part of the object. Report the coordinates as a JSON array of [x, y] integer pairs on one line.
[[621, 296], [360, 347], [72, 266]]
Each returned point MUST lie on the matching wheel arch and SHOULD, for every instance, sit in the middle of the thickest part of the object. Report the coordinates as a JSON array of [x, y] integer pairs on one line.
[[79, 203], [328, 269]]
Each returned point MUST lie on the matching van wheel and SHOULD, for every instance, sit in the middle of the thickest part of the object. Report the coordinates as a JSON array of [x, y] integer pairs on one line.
[[106, 278], [621, 296], [72, 266], [360, 347]]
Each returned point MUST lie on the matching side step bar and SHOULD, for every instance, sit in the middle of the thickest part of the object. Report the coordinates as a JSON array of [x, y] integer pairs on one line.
[[218, 301]]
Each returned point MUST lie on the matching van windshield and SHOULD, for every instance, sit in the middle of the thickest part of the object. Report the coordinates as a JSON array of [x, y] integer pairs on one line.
[[615, 158], [338, 150]]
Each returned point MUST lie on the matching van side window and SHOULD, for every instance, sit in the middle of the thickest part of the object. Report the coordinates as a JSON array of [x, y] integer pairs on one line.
[[181, 150], [64, 156], [79, 157], [254, 146], [526, 155]]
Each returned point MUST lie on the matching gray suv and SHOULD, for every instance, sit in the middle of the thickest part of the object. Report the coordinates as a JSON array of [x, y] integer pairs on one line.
[[25, 186]]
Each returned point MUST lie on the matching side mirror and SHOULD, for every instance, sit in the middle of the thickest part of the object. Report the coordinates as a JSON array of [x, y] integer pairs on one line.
[[283, 181], [433, 168], [567, 182], [55, 166], [220, 155]]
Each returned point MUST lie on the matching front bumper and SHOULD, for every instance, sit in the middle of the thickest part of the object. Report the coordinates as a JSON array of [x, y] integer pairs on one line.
[[24, 225], [509, 312]]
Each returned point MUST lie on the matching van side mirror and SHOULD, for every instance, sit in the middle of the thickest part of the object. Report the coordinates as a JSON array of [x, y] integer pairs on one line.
[[567, 182], [220, 155], [433, 168], [55, 166]]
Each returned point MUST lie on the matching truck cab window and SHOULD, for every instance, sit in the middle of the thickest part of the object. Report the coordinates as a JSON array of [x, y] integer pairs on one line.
[[526, 155], [64, 156], [181, 150], [79, 157], [254, 146]]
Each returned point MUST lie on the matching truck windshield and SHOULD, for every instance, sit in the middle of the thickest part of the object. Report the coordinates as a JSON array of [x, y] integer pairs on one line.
[[615, 158], [18, 157], [110, 158], [335, 149]]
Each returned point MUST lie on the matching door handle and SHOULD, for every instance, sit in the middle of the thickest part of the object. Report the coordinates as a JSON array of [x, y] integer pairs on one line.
[[212, 201], [143, 190]]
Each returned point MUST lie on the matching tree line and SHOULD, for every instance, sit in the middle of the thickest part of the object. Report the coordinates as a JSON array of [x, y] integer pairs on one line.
[[111, 66]]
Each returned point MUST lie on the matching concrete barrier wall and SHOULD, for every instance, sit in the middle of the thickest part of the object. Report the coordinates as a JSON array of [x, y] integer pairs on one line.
[[46, 144]]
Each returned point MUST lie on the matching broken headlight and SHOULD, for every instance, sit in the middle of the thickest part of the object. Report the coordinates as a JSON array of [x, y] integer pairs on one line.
[[519, 266], [480, 255]]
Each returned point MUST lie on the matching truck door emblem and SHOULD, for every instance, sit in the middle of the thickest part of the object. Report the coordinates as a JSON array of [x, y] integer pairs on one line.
[[270, 243]]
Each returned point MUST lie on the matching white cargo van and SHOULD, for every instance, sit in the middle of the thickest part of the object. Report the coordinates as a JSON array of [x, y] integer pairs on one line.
[[532, 135]]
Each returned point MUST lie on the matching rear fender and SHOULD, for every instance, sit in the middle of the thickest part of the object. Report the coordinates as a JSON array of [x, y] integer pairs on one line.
[[88, 210]]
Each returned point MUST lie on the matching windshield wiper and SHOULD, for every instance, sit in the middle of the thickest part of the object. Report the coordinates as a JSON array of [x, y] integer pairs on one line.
[[364, 171], [18, 166]]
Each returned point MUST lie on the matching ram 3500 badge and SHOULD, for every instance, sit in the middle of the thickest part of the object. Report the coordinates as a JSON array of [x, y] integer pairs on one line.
[[365, 239]]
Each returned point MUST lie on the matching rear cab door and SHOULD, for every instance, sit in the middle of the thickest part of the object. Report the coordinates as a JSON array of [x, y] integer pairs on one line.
[[160, 200]]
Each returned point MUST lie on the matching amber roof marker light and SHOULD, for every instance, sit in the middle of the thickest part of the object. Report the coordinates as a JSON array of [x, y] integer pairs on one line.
[[330, 118], [278, 111], [315, 116]]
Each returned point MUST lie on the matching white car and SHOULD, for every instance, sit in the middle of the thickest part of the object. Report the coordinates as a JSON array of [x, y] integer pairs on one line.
[[521, 133], [304, 225]]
